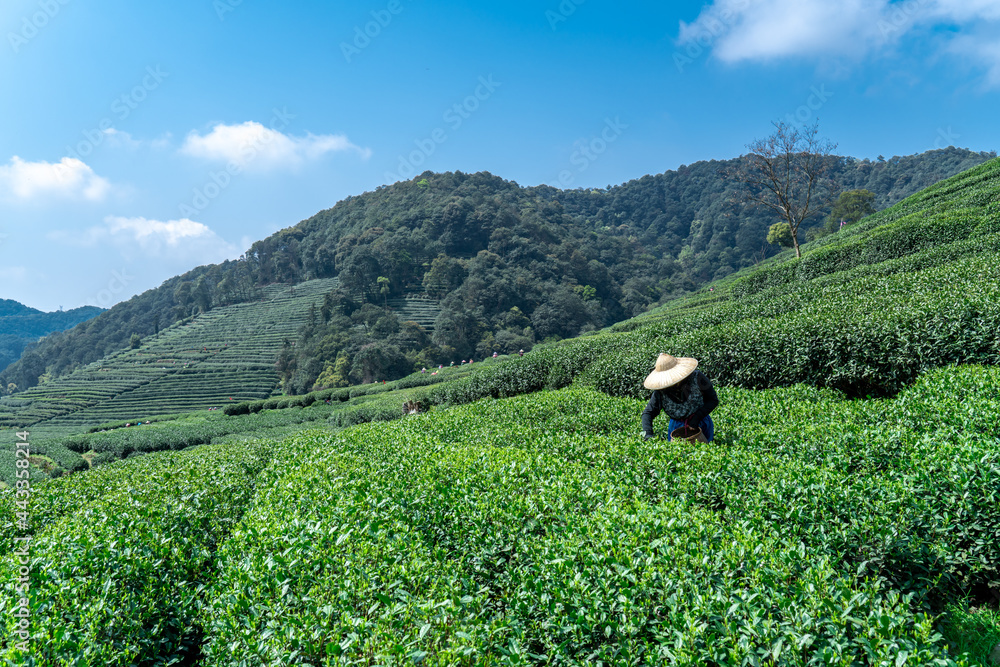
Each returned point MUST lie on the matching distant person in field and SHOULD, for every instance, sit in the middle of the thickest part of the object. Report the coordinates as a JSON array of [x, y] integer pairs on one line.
[[683, 392]]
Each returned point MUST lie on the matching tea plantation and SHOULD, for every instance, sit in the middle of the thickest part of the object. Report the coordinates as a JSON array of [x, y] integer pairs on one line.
[[848, 512], [225, 354], [538, 529]]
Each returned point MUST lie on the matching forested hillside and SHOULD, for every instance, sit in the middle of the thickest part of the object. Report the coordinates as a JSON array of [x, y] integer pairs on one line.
[[20, 326], [499, 267]]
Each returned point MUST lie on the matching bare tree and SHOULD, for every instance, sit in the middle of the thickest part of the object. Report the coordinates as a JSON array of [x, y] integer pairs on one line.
[[787, 173]]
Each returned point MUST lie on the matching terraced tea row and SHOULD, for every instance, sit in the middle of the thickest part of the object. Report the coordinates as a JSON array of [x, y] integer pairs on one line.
[[239, 343], [415, 308]]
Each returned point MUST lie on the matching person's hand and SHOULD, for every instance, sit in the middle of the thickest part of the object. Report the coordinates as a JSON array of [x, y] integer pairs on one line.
[[646, 435]]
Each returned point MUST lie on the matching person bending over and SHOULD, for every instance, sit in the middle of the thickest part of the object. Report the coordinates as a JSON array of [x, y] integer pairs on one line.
[[683, 392]]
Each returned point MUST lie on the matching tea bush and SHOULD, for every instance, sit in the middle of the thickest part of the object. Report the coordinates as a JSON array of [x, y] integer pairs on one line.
[[118, 580], [816, 530], [189, 432]]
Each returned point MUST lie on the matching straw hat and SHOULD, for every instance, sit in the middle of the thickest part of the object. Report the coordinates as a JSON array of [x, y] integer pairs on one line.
[[669, 371]]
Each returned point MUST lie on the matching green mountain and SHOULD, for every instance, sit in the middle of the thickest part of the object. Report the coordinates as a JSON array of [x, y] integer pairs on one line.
[[20, 326], [479, 265], [846, 513]]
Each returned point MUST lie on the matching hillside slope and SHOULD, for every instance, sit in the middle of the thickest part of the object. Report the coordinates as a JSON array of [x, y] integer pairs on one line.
[[864, 312], [224, 355], [20, 326], [481, 247], [845, 515]]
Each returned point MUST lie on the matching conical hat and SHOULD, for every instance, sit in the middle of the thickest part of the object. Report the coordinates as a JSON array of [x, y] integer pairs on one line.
[[669, 371]]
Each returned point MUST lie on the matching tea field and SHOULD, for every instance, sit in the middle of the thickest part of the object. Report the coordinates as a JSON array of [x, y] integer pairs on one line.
[[226, 354], [538, 530], [848, 512]]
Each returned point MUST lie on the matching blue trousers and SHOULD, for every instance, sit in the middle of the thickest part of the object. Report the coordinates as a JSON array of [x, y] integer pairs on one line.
[[706, 426]]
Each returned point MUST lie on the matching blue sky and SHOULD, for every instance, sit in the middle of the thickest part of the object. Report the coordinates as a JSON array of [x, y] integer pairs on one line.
[[141, 139]]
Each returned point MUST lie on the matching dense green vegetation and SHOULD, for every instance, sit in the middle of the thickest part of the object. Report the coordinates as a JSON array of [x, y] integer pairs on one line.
[[498, 267], [20, 326], [118, 574], [542, 529]]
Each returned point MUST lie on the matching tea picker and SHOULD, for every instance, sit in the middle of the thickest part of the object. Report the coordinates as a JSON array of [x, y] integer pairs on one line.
[[685, 394]]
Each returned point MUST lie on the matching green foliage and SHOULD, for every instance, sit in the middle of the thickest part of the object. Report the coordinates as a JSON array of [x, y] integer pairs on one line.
[[541, 529], [922, 223], [21, 326], [975, 631], [196, 430], [904, 291], [222, 356], [823, 526], [851, 206], [120, 579], [780, 233]]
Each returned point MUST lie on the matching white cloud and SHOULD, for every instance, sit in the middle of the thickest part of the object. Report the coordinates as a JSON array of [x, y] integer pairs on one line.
[[155, 233], [740, 30], [69, 177], [119, 139], [251, 144], [743, 30], [153, 238], [983, 50]]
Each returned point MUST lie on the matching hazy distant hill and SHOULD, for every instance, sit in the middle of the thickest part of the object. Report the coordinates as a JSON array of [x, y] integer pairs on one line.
[[481, 264], [20, 326]]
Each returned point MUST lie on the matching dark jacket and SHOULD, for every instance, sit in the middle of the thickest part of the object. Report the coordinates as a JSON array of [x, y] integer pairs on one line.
[[680, 393]]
